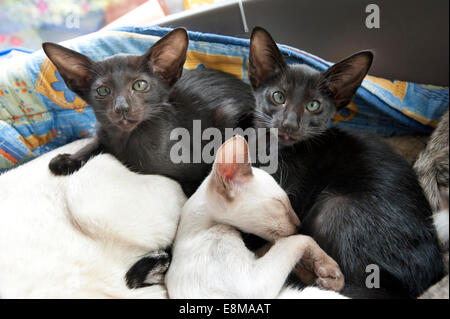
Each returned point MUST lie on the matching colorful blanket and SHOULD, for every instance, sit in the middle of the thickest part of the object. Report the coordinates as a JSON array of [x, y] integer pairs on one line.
[[38, 113]]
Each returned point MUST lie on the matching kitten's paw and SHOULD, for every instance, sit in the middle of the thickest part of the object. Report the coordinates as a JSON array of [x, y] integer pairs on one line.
[[149, 270], [64, 164], [329, 275], [316, 267]]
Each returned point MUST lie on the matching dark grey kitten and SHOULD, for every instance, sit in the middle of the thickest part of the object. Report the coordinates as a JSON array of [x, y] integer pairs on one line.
[[297, 99], [354, 194], [140, 100]]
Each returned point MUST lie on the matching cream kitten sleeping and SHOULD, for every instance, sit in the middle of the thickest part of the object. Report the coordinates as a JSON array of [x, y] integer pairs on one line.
[[210, 260], [77, 236]]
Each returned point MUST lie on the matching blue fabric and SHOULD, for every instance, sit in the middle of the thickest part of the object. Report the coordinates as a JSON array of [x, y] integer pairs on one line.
[[380, 111], [38, 113]]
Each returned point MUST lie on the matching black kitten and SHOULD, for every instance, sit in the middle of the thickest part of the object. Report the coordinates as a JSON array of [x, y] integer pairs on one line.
[[354, 195], [139, 100]]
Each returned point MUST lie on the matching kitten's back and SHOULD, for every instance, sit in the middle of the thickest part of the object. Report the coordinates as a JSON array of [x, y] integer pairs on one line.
[[217, 98], [371, 195], [76, 236]]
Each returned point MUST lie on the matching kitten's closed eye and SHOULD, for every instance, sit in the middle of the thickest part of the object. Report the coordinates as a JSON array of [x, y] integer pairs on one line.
[[287, 208]]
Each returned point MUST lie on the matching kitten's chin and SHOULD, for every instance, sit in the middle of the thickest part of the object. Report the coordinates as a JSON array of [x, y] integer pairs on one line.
[[126, 125], [287, 140], [276, 235]]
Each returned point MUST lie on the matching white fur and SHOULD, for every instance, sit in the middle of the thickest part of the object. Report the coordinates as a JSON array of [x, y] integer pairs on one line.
[[441, 223], [210, 259], [309, 293], [76, 236]]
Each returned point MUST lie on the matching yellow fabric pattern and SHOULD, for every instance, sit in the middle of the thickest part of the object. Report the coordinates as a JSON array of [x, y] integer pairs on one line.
[[225, 63], [397, 88], [352, 111], [420, 118], [44, 86]]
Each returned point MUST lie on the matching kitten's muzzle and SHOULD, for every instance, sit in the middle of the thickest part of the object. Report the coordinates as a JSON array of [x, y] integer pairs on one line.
[[288, 132], [287, 138], [121, 106], [290, 122], [121, 109]]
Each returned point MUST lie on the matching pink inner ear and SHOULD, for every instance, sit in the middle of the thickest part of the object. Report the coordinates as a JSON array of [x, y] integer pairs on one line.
[[228, 170], [233, 161]]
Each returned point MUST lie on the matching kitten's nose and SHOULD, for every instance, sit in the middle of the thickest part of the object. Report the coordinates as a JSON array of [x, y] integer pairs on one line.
[[121, 105], [290, 123]]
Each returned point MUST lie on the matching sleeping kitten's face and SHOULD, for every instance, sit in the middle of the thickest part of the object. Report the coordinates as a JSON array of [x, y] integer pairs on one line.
[[245, 197], [298, 100], [124, 90]]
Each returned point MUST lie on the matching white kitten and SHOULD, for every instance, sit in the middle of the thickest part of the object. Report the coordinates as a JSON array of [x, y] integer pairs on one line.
[[77, 236], [210, 260]]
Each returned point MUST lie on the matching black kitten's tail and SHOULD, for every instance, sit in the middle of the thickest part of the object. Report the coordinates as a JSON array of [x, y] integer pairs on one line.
[[149, 270]]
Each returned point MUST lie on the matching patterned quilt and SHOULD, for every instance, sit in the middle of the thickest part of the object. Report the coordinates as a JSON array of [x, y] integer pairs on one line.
[[38, 113]]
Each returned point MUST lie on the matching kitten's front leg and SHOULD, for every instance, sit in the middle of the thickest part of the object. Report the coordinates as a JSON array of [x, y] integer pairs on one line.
[[316, 267], [65, 164], [286, 253]]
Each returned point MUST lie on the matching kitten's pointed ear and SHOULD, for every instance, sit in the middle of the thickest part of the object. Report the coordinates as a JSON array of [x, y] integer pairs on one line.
[[232, 166], [167, 56], [74, 67], [265, 59], [342, 79]]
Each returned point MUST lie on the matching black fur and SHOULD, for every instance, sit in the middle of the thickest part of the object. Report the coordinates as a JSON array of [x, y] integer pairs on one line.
[[140, 137], [355, 196], [364, 206], [358, 199], [206, 95], [149, 270]]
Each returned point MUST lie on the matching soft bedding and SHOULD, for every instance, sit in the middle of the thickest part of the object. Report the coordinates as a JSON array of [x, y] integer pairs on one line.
[[38, 113]]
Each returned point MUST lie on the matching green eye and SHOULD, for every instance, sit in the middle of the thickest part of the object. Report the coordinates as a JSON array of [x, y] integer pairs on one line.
[[103, 90], [313, 106], [140, 85], [278, 98]]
